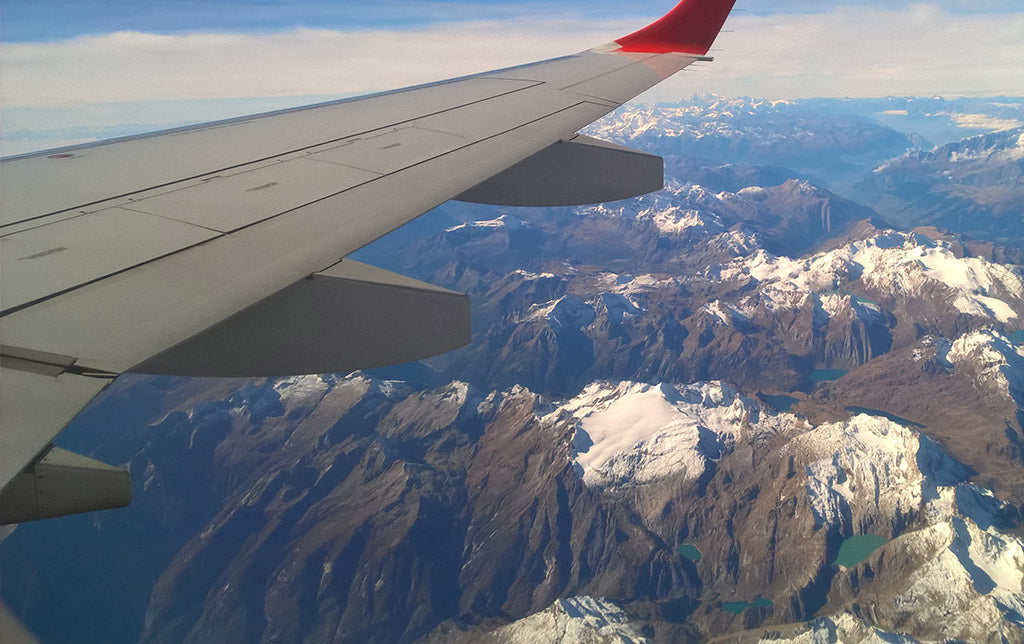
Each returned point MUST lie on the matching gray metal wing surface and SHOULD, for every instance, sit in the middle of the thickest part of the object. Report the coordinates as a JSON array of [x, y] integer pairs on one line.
[[184, 251]]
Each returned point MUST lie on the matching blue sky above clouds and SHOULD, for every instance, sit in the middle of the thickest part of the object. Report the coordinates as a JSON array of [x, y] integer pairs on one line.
[[45, 20], [80, 69]]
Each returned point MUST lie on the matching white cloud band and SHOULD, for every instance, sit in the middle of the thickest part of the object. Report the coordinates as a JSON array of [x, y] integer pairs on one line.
[[920, 50]]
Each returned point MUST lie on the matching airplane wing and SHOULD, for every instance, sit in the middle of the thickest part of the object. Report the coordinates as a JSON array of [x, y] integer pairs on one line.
[[217, 249]]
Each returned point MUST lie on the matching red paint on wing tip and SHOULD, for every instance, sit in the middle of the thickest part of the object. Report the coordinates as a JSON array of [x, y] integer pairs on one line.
[[690, 28]]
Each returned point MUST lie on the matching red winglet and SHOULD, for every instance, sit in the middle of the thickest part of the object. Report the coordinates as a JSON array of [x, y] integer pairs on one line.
[[690, 28]]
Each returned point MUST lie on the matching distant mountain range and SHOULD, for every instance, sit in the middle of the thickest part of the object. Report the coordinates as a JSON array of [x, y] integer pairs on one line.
[[782, 399], [974, 186]]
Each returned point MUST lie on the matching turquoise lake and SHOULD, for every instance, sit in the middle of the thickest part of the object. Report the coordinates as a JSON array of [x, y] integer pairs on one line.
[[739, 607], [690, 552], [858, 548], [864, 300], [825, 375], [1017, 337]]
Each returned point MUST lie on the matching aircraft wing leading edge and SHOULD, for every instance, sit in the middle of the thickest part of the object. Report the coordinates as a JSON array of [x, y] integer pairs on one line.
[[190, 251]]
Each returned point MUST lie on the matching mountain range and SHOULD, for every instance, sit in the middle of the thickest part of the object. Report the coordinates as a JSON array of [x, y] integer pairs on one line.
[[678, 417]]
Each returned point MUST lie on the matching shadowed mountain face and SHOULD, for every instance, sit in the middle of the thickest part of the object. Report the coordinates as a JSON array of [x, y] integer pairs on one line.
[[746, 364], [975, 186]]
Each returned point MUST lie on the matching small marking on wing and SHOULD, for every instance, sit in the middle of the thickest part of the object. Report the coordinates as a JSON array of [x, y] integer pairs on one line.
[[388, 147], [263, 187], [43, 253]]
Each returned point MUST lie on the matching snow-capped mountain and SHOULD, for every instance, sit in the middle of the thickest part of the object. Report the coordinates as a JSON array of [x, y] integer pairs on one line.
[[949, 554], [993, 361], [799, 135], [893, 268], [630, 434], [833, 309], [575, 620]]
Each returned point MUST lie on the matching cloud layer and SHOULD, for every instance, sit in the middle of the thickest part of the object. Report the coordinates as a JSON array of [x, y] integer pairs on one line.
[[918, 50], [39, 20]]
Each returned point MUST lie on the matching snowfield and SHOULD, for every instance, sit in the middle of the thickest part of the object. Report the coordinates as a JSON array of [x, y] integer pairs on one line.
[[892, 264], [632, 433], [576, 620]]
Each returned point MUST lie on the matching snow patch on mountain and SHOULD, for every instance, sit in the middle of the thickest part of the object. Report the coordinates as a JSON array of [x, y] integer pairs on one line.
[[689, 211], [576, 620], [987, 148], [900, 265], [725, 313], [869, 469], [735, 242], [777, 296], [302, 391], [929, 344], [970, 583], [565, 312], [676, 220], [528, 276], [845, 627], [619, 306], [895, 466], [632, 285], [996, 362], [632, 433], [834, 303], [502, 222]]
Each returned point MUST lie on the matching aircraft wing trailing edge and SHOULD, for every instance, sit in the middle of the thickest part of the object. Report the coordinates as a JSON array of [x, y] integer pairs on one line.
[[218, 249]]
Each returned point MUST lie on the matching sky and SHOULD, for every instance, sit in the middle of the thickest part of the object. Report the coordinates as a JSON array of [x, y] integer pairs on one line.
[[71, 70]]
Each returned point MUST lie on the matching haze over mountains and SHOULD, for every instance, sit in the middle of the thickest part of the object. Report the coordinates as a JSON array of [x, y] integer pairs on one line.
[[816, 332]]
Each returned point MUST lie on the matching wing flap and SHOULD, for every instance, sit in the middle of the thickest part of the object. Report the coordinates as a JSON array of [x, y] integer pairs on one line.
[[350, 316], [61, 483], [35, 408], [579, 171]]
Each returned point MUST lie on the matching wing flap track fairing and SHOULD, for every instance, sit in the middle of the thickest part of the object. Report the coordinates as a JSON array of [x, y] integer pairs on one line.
[[579, 171], [350, 316]]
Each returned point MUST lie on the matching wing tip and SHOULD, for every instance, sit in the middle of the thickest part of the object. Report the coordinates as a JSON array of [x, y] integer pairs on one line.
[[690, 28]]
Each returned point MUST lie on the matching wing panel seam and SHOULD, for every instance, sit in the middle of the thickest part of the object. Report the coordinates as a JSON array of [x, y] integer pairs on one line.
[[272, 156], [64, 291]]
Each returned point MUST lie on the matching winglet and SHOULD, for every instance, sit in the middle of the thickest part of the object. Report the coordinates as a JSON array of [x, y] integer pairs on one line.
[[690, 28]]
